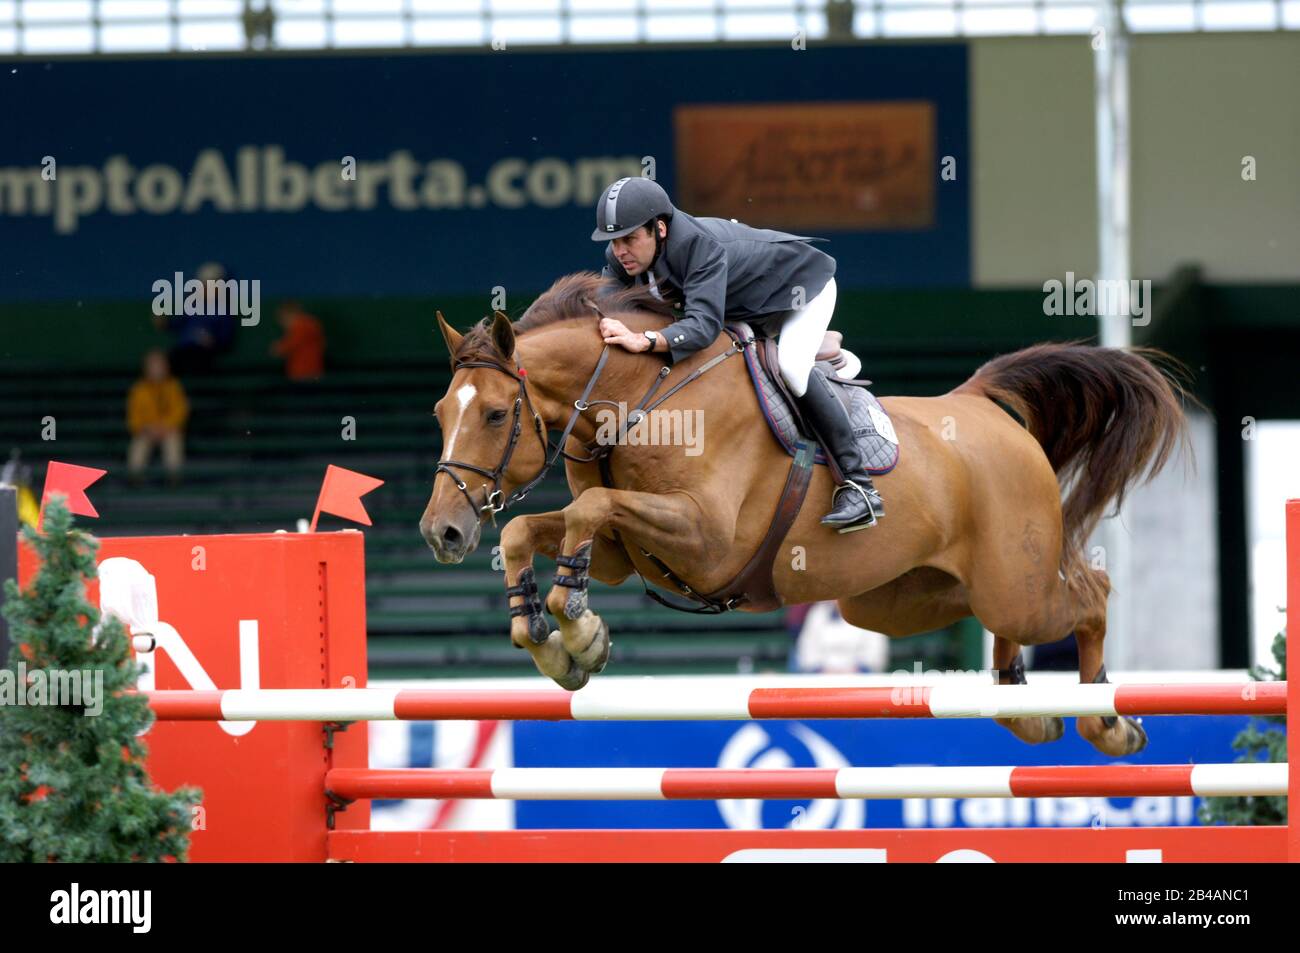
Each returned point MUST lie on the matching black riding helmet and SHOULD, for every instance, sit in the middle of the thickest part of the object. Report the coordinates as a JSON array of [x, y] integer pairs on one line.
[[627, 205]]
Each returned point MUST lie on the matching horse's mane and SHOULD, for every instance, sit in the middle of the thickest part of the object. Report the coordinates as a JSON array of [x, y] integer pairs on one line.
[[568, 299]]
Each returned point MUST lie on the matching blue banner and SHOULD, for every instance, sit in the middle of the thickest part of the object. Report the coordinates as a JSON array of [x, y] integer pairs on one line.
[[866, 743], [454, 173]]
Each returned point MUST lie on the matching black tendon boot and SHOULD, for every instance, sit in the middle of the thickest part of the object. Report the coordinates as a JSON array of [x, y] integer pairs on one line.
[[855, 504]]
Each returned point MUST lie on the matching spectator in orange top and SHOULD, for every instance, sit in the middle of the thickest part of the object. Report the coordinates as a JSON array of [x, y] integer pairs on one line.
[[303, 344], [156, 412]]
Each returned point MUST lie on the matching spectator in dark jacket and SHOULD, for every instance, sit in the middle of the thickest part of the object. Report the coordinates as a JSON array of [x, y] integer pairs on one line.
[[198, 339]]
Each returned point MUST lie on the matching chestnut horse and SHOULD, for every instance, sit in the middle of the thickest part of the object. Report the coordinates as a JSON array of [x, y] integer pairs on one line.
[[987, 516]]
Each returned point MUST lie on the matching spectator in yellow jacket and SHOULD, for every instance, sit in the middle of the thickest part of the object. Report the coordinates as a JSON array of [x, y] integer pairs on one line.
[[156, 412]]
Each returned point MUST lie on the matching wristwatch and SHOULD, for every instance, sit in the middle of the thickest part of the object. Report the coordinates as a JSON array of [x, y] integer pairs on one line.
[[652, 337]]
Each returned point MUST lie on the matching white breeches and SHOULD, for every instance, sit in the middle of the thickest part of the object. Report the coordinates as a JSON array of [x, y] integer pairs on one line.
[[801, 336]]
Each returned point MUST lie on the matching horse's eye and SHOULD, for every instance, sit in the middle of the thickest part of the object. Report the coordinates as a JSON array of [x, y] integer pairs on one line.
[[497, 417]]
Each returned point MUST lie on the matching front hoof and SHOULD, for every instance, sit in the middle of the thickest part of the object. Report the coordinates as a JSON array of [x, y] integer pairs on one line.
[[554, 661], [573, 679], [595, 656]]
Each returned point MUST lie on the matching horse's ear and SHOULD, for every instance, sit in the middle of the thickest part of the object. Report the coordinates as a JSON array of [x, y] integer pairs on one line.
[[503, 335], [449, 334]]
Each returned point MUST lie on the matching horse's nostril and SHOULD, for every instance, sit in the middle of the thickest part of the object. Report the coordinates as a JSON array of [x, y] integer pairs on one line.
[[451, 537]]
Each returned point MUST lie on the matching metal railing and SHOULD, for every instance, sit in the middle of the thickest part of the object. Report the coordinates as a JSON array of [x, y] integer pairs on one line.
[[185, 26]]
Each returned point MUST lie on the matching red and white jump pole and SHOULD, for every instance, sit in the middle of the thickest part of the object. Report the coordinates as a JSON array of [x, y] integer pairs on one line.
[[645, 699], [654, 784]]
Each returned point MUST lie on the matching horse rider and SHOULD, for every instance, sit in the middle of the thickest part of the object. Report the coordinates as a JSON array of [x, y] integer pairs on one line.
[[724, 270]]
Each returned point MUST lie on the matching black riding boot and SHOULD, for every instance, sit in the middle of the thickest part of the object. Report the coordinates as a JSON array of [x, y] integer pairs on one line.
[[855, 504]]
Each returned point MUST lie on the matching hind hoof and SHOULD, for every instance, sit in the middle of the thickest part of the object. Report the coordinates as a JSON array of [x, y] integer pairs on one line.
[[1138, 739], [1037, 730], [1122, 737]]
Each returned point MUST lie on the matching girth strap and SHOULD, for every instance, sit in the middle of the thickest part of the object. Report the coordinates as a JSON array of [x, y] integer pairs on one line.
[[754, 584]]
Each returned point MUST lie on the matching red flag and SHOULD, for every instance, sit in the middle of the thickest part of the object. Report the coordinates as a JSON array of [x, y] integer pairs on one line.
[[341, 495], [70, 480]]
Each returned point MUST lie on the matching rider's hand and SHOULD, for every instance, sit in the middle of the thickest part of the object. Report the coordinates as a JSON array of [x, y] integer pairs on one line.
[[616, 332]]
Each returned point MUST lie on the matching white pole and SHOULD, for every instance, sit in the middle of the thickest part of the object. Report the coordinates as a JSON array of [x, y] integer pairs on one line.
[[1110, 45]]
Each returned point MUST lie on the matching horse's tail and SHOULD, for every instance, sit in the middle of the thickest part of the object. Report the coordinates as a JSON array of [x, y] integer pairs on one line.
[[1104, 417]]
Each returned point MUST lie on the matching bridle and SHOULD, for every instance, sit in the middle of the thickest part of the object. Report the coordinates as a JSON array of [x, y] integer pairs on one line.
[[493, 502]]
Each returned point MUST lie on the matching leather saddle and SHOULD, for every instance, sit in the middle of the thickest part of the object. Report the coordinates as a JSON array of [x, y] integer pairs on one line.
[[871, 424], [832, 352]]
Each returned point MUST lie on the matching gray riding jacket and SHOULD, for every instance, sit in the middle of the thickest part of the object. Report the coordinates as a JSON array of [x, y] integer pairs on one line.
[[727, 271]]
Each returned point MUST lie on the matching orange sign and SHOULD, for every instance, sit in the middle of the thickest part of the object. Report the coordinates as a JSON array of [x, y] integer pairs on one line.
[[830, 166]]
